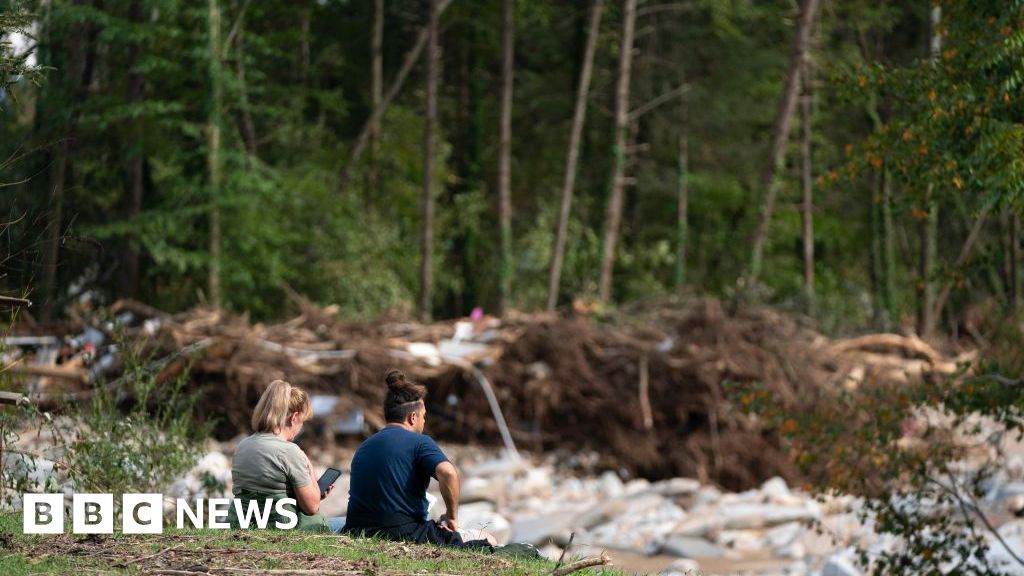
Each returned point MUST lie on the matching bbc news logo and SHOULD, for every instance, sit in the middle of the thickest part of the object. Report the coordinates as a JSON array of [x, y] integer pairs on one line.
[[143, 513]]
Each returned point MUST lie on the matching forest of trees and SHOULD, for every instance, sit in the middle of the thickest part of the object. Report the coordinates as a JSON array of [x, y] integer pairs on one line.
[[859, 160]]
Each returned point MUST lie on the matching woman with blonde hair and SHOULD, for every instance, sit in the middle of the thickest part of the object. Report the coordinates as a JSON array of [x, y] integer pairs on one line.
[[269, 466]]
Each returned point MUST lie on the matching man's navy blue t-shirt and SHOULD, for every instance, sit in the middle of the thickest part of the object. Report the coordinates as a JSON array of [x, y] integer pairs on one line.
[[391, 471]]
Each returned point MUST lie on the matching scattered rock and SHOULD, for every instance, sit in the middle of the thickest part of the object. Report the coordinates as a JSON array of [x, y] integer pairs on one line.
[[706, 496], [676, 487], [775, 488], [481, 516], [476, 489], [741, 540], [682, 567], [636, 486], [551, 552], [793, 551], [699, 524], [601, 513], [611, 484], [539, 530], [689, 547], [739, 516], [782, 535], [840, 564]]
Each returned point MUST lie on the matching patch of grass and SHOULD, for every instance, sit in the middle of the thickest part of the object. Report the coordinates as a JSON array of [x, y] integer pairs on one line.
[[241, 552]]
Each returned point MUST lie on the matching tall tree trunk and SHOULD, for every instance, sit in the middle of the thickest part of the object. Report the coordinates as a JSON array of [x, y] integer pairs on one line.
[[780, 133], [396, 86], [252, 147], [886, 265], [427, 247], [888, 251], [876, 262], [133, 167], [376, 94], [683, 203], [806, 113], [505, 157], [572, 157], [1014, 259], [78, 75], [927, 231], [213, 154], [929, 225], [614, 212], [304, 22], [54, 226]]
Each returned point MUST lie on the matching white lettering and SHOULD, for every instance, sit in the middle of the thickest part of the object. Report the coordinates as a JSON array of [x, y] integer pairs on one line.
[[283, 508], [43, 514], [253, 510], [196, 517], [142, 514], [217, 511], [92, 513]]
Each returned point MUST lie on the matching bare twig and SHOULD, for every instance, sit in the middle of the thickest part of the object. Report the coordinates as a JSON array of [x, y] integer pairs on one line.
[[602, 560], [964, 505], [997, 378], [658, 101], [572, 535], [234, 30], [149, 557]]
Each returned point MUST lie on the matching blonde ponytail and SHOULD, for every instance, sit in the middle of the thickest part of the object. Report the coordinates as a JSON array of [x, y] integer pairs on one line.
[[277, 402]]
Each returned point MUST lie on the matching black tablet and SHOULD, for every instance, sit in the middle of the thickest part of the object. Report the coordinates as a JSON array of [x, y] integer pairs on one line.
[[329, 477]]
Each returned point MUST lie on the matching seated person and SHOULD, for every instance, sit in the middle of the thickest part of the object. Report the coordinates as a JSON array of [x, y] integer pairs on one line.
[[391, 471], [269, 466]]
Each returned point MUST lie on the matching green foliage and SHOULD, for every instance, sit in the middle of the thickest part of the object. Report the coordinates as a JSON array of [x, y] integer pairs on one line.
[[135, 435], [141, 449], [14, 66], [896, 450], [302, 92]]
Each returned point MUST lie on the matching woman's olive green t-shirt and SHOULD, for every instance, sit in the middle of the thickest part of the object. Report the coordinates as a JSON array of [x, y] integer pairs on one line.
[[265, 462]]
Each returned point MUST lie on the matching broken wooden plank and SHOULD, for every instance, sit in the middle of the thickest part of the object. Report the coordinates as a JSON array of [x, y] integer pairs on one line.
[[12, 398], [79, 375]]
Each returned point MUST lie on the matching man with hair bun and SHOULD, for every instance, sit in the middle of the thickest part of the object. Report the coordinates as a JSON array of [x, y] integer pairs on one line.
[[391, 471]]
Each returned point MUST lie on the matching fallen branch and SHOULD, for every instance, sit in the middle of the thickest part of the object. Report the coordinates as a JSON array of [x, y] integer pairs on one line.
[[602, 560], [911, 344], [16, 301], [304, 354]]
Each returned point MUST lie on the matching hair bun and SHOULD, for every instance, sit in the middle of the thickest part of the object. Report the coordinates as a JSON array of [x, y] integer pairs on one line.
[[394, 378]]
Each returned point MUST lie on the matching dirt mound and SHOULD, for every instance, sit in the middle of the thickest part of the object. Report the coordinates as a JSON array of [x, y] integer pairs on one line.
[[645, 392]]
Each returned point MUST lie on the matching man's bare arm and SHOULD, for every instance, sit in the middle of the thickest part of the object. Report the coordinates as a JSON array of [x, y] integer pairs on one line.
[[448, 480]]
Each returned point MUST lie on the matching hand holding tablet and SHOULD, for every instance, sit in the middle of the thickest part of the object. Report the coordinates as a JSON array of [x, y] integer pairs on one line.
[[329, 477]]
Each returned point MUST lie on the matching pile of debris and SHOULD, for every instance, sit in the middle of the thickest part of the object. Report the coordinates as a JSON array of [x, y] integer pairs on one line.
[[645, 391]]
